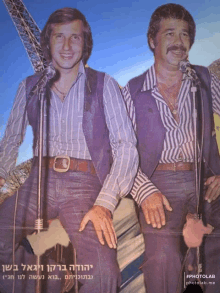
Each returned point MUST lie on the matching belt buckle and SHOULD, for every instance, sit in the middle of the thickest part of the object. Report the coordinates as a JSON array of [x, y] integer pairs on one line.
[[61, 170], [174, 166]]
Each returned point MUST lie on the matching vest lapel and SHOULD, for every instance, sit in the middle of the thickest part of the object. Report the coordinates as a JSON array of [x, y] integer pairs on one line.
[[88, 113], [150, 130]]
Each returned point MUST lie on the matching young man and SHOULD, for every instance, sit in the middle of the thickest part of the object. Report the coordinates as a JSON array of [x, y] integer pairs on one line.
[[160, 106], [89, 156]]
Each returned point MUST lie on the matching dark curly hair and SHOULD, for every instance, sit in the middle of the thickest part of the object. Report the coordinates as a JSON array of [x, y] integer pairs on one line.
[[63, 16], [166, 11]]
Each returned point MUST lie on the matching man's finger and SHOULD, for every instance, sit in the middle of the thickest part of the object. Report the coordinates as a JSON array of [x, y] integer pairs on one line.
[[146, 215], [108, 236], [211, 190], [111, 232], [167, 204], [162, 215], [214, 193], [210, 180], [157, 219], [84, 222], [152, 219], [208, 193], [144, 207], [98, 231]]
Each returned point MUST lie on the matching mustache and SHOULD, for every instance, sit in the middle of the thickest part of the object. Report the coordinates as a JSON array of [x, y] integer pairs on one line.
[[176, 47]]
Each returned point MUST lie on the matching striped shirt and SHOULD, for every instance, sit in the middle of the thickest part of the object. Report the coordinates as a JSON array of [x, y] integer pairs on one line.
[[65, 135], [178, 142]]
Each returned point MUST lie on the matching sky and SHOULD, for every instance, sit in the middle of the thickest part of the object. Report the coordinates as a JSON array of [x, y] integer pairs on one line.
[[120, 46]]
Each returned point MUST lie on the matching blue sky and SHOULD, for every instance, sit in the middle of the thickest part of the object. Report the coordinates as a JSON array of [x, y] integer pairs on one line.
[[120, 46]]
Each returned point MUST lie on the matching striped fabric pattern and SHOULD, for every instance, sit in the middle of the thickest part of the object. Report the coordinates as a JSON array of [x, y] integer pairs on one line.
[[66, 135], [178, 143]]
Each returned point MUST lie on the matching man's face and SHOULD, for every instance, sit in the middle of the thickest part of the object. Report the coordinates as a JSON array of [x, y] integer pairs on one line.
[[172, 43], [66, 45]]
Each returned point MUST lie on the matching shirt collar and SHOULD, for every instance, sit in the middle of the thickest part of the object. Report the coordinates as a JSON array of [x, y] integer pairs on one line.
[[150, 81], [81, 69]]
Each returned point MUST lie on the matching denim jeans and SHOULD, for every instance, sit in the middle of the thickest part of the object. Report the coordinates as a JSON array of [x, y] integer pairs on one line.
[[164, 248], [68, 196]]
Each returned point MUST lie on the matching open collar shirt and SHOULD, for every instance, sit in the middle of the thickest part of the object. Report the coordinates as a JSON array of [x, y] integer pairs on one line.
[[66, 135], [178, 142]]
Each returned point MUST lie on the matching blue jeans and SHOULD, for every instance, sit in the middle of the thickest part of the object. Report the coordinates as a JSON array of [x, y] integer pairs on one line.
[[164, 247], [68, 196]]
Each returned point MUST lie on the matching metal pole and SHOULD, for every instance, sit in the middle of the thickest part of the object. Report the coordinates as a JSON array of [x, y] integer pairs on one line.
[[39, 220], [194, 90], [197, 173], [48, 74]]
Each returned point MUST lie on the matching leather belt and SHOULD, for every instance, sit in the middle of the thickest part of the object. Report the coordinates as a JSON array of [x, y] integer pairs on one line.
[[179, 166], [65, 163]]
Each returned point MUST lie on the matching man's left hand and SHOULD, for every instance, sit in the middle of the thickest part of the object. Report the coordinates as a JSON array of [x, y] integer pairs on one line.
[[102, 222], [213, 191]]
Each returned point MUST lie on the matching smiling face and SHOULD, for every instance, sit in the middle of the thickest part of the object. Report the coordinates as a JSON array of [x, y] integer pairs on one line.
[[172, 43], [66, 45]]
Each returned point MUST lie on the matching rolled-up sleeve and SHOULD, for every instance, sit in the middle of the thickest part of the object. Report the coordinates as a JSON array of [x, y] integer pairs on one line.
[[14, 132], [123, 143], [143, 187]]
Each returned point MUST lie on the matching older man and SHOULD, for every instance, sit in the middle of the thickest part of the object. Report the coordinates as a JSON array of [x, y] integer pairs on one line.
[[160, 105]]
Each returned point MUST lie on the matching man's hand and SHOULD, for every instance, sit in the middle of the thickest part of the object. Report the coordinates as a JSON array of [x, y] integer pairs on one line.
[[2, 181], [153, 209], [102, 222], [213, 191]]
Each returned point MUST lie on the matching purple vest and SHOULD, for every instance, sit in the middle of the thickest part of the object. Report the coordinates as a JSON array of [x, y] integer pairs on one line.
[[151, 132], [94, 125]]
